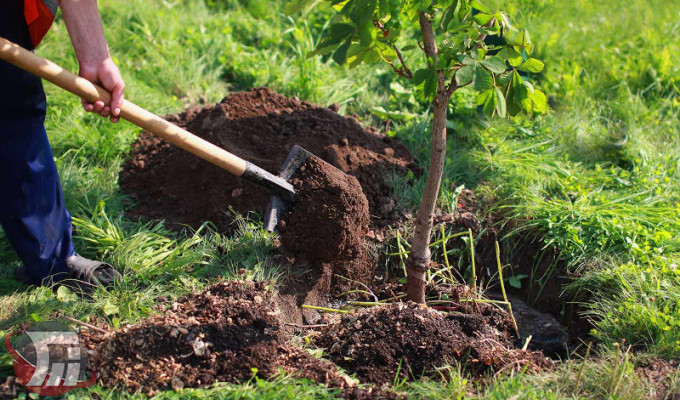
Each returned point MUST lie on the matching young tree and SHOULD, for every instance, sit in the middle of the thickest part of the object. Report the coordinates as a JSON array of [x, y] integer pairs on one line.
[[450, 39]]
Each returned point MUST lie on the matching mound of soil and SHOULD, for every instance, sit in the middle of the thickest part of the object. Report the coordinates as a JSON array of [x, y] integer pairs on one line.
[[411, 340], [227, 333], [330, 217], [261, 126]]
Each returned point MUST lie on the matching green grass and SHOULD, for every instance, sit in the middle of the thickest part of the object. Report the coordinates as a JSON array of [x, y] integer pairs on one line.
[[597, 178]]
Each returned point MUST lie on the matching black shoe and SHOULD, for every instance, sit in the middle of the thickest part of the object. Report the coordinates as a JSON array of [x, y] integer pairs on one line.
[[83, 274], [87, 274]]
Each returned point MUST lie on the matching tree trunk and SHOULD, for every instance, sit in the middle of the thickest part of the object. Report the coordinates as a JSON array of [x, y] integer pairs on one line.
[[419, 258]]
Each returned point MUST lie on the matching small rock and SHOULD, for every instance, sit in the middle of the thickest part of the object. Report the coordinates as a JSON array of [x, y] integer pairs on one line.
[[176, 383], [236, 192], [386, 205]]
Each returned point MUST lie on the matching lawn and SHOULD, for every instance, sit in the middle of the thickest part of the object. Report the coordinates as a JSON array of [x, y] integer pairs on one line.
[[596, 180]]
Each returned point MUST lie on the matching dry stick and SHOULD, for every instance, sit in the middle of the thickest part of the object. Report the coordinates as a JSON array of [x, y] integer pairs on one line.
[[85, 324], [306, 326], [580, 372], [505, 296], [332, 310]]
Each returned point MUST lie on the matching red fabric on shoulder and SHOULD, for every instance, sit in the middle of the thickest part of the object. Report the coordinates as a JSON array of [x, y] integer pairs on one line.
[[39, 17]]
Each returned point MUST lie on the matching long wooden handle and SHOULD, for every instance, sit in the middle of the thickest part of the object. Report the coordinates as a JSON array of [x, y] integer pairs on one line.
[[66, 80]]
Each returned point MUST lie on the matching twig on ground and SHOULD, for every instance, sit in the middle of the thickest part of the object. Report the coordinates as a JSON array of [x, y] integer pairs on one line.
[[85, 324], [301, 326]]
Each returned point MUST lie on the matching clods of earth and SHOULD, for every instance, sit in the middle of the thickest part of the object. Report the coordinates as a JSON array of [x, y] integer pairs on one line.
[[235, 329], [223, 334], [261, 126]]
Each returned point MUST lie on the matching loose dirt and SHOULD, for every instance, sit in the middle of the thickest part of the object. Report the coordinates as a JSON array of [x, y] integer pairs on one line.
[[409, 340], [227, 333], [330, 217], [261, 126], [324, 233], [662, 376]]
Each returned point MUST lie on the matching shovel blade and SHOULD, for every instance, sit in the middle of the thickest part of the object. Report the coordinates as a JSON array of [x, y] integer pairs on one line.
[[277, 205]]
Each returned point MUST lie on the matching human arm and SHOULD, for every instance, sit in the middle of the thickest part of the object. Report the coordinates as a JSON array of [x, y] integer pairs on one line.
[[87, 35]]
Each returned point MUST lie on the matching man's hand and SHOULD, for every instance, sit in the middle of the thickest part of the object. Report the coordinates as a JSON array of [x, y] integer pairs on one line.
[[106, 75], [87, 35]]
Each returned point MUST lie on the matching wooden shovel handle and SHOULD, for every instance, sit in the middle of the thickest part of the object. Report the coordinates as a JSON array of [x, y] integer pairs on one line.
[[87, 90]]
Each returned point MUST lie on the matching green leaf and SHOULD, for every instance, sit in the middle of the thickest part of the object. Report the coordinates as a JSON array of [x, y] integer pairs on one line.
[[367, 35], [422, 5], [409, 47], [340, 55], [482, 18], [110, 308], [372, 56], [341, 30], [65, 295], [297, 5], [421, 75], [516, 281], [540, 103], [525, 99], [494, 64], [430, 87], [426, 81], [500, 102], [489, 102], [531, 65], [465, 75], [468, 59], [477, 5], [380, 112], [483, 79]]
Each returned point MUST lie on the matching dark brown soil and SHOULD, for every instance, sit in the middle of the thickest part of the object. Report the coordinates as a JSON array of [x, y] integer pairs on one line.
[[658, 373], [261, 126], [410, 340], [330, 217], [227, 333]]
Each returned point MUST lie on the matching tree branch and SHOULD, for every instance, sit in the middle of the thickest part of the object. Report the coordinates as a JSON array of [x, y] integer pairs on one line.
[[404, 71]]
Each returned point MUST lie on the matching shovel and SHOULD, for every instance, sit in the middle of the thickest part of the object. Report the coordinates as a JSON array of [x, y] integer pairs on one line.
[[283, 193]]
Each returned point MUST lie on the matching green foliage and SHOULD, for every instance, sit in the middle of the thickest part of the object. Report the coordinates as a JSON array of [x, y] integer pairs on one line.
[[637, 306], [371, 31]]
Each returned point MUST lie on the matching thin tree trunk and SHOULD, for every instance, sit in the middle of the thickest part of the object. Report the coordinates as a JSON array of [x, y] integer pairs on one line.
[[419, 258]]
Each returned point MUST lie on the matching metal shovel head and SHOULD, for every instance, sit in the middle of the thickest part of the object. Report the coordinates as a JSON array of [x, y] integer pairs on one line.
[[277, 205]]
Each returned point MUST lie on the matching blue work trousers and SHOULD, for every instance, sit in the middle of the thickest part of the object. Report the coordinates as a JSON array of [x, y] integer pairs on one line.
[[32, 211]]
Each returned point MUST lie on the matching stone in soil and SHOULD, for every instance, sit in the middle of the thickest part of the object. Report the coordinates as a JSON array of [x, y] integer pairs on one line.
[[261, 126], [411, 340], [220, 335]]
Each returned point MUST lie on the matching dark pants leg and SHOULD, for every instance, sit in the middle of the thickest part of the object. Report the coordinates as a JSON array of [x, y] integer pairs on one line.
[[32, 211]]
